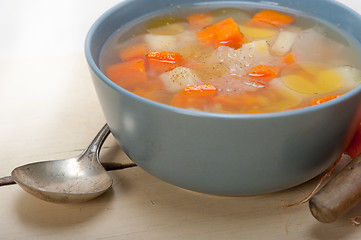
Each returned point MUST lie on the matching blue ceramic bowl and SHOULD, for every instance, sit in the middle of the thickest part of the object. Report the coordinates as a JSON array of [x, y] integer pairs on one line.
[[224, 154]]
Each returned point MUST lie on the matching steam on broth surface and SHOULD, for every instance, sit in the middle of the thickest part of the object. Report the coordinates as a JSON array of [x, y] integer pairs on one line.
[[232, 60]]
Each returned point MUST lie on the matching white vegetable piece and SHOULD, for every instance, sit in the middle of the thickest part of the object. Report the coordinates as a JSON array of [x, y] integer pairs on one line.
[[160, 42], [312, 45], [259, 48], [179, 78], [283, 43], [350, 75]]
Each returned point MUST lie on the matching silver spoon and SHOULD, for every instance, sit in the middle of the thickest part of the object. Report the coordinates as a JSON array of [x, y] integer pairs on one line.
[[70, 180]]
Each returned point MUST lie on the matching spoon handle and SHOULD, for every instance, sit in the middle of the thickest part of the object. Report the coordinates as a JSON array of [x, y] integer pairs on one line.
[[8, 180], [339, 195], [96, 144]]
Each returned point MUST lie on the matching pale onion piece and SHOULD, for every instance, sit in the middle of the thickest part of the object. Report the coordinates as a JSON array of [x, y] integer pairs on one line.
[[179, 78], [351, 76], [240, 61], [257, 33], [160, 42], [283, 43], [312, 45], [260, 47]]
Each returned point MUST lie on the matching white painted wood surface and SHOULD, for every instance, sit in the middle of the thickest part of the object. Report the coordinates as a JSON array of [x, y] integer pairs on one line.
[[49, 110]]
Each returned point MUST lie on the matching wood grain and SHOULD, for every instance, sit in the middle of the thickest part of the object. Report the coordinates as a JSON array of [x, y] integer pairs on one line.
[[339, 195]]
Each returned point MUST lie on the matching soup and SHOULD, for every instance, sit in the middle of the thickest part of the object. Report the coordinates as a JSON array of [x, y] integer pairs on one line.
[[231, 60]]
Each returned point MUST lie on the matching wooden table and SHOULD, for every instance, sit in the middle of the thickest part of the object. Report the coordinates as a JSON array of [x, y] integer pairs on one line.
[[49, 110]]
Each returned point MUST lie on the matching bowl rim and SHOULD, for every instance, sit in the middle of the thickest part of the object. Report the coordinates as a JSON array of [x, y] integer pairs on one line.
[[287, 113]]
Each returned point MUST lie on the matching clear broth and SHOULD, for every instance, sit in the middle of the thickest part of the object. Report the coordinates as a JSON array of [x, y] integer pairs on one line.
[[288, 92]]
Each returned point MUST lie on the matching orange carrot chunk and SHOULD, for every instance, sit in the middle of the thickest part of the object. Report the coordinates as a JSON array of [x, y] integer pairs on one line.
[[354, 148], [124, 68], [320, 100], [197, 96], [132, 52], [272, 17], [264, 72], [288, 59], [224, 33], [200, 20], [163, 61], [127, 74], [203, 89]]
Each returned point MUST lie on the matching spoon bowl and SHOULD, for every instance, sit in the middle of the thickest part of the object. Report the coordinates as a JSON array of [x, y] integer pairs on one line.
[[76, 179]]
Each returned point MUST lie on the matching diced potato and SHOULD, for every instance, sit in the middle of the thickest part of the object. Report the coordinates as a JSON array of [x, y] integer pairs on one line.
[[319, 81], [160, 42], [284, 43], [258, 33], [179, 78], [259, 47]]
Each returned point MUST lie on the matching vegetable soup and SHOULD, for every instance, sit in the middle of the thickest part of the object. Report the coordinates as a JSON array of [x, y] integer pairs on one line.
[[232, 60]]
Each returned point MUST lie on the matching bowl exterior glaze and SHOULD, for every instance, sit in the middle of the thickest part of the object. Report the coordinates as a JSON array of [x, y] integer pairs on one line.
[[222, 154]]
